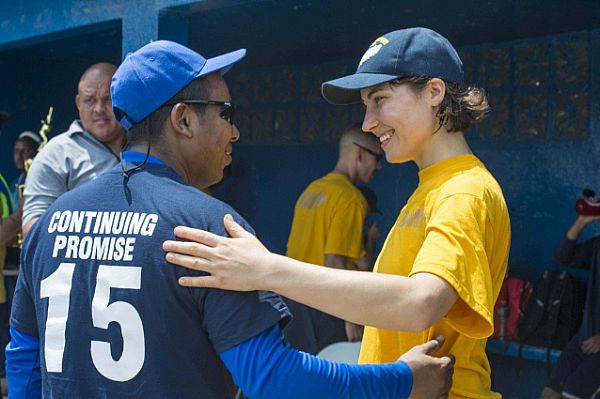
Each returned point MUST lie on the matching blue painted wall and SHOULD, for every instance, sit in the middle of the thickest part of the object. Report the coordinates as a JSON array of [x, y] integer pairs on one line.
[[539, 141]]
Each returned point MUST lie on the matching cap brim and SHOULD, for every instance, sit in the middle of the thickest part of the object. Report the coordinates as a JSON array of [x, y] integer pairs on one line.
[[346, 90], [222, 63]]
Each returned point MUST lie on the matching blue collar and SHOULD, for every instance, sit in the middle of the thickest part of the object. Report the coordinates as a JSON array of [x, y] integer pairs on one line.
[[138, 157]]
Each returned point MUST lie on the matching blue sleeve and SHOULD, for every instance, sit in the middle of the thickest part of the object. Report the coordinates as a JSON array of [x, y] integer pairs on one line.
[[23, 371], [264, 367]]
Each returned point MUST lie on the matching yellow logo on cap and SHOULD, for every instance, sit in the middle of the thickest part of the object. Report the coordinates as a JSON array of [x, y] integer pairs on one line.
[[381, 40]]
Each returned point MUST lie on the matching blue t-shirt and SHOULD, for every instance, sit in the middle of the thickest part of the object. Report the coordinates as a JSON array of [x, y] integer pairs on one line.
[[111, 318]]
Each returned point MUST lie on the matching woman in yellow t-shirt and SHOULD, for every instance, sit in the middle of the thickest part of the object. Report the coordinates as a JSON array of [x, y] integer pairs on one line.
[[442, 264]]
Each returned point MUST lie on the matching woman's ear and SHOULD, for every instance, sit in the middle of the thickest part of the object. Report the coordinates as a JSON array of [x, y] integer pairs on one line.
[[437, 91], [180, 119]]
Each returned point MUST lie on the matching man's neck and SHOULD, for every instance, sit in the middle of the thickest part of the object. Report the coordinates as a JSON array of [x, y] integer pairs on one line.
[[143, 149], [115, 146], [175, 163], [344, 171]]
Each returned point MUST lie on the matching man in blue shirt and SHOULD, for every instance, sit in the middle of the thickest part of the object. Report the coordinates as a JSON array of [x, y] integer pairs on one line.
[[98, 313]]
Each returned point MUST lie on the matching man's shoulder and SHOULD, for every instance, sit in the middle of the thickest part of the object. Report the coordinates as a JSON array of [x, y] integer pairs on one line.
[[173, 198], [335, 189], [75, 129], [189, 198], [61, 142], [343, 187], [331, 182], [204, 211]]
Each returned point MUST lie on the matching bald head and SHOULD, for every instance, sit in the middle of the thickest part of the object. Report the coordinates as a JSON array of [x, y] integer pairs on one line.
[[95, 106], [360, 154], [354, 137], [100, 70]]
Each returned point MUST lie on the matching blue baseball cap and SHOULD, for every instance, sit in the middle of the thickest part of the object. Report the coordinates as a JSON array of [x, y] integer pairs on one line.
[[150, 76], [398, 54]]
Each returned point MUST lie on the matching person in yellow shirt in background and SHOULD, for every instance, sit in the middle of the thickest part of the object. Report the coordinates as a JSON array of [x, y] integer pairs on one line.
[[329, 214], [441, 267], [327, 229]]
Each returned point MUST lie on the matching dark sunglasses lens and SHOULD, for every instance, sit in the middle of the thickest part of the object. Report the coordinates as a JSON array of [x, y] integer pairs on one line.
[[376, 155], [227, 113]]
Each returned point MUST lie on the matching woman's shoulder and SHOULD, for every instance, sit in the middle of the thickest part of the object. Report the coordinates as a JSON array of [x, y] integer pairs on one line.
[[476, 182]]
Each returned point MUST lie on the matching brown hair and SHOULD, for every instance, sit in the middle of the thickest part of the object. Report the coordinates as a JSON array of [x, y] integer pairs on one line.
[[460, 107]]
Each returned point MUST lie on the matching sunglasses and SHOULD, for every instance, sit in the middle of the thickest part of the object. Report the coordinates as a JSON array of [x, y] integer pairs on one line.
[[377, 156], [227, 113]]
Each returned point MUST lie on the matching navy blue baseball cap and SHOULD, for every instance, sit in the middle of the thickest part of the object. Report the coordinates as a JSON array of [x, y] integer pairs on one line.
[[398, 54], [150, 76]]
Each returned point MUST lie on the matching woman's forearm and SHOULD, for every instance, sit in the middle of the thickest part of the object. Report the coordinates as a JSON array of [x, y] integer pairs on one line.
[[242, 263], [378, 300]]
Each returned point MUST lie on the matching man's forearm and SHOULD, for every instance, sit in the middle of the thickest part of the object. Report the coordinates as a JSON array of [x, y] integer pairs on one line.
[[335, 261], [365, 262], [266, 368], [384, 301], [28, 225], [23, 370]]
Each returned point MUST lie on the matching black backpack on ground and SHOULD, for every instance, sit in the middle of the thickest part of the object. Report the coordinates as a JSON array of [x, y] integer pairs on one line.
[[553, 313]]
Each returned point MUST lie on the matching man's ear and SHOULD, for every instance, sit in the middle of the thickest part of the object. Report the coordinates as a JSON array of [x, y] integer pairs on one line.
[[78, 102], [436, 91], [180, 119], [359, 155]]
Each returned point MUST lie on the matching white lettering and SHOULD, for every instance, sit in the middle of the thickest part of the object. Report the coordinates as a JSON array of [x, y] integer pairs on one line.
[[116, 247], [136, 223], [129, 244], [107, 223], [90, 215], [85, 247], [97, 224], [63, 222], [127, 221], [118, 255], [100, 248], [117, 227], [149, 225], [72, 243], [53, 222], [112, 248], [59, 243], [76, 222]]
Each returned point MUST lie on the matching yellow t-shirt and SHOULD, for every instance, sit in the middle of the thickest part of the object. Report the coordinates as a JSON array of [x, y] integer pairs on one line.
[[456, 226], [328, 219]]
